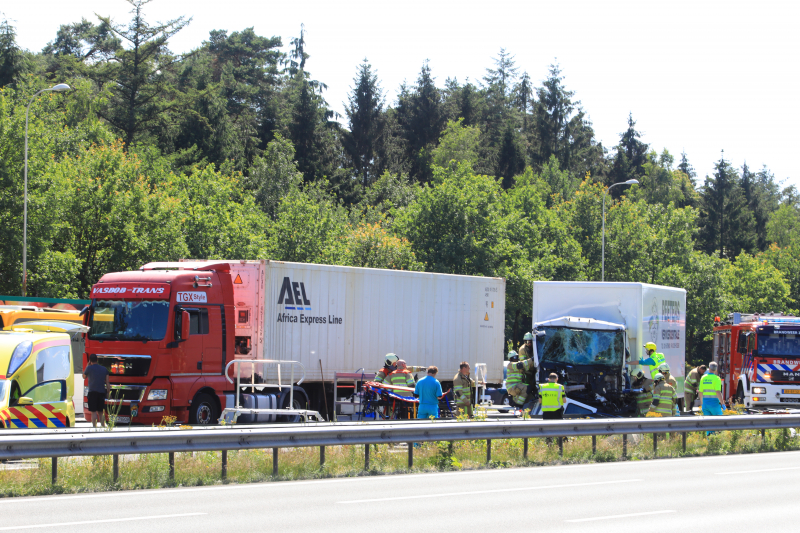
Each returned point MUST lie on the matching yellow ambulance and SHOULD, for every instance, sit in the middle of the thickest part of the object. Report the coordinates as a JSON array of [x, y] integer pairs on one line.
[[36, 375]]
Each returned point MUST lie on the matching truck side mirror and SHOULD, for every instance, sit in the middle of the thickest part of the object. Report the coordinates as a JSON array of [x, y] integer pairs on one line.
[[185, 322]]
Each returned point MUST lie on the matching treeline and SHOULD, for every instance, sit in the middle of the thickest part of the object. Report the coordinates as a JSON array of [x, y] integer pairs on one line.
[[231, 151]]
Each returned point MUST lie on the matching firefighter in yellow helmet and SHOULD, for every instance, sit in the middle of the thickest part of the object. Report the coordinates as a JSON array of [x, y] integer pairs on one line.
[[654, 357], [645, 397], [389, 366], [516, 386], [665, 399]]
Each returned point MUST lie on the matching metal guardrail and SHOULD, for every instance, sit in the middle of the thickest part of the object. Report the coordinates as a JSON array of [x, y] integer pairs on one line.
[[37, 444]]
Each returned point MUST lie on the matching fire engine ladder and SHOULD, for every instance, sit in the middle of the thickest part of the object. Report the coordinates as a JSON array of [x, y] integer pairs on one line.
[[230, 415]]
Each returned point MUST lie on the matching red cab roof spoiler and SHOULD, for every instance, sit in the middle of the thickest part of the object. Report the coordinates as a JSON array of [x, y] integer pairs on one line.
[[200, 265]]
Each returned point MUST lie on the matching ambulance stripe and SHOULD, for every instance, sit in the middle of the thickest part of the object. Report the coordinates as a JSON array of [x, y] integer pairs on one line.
[[38, 423], [41, 417], [18, 414], [19, 423], [57, 423], [59, 416]]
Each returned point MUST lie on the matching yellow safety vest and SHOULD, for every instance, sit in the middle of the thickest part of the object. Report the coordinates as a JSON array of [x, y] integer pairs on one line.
[[710, 384], [553, 396]]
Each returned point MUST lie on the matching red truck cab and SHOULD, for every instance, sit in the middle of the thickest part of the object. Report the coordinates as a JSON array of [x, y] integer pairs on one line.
[[165, 336]]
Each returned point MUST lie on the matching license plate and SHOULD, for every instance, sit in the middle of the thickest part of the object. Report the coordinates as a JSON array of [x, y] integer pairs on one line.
[[791, 391], [123, 420]]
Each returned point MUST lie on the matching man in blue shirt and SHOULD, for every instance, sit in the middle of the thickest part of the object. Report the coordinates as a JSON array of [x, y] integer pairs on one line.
[[429, 392]]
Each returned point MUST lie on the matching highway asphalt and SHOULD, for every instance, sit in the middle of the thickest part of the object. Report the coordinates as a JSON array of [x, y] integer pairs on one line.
[[711, 494]]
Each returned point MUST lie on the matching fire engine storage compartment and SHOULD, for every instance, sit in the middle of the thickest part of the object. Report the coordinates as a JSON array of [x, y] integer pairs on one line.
[[589, 357], [349, 318]]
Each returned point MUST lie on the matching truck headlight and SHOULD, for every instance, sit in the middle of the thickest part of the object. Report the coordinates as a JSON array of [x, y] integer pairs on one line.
[[759, 390], [157, 394]]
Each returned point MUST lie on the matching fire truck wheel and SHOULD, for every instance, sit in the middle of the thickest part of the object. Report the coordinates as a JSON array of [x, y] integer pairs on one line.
[[203, 410], [740, 394]]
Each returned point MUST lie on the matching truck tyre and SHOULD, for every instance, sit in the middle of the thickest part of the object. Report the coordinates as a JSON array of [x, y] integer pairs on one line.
[[740, 394], [300, 402], [203, 410]]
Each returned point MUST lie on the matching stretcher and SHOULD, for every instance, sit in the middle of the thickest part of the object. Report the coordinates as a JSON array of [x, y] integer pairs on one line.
[[386, 402]]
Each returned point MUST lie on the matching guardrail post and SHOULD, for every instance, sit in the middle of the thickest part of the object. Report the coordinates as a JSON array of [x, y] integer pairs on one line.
[[54, 471], [275, 462], [172, 465], [594, 444], [366, 457], [624, 446], [684, 442], [525, 449], [488, 451], [763, 436], [321, 456], [224, 465], [410, 455], [655, 444], [115, 467], [561, 446]]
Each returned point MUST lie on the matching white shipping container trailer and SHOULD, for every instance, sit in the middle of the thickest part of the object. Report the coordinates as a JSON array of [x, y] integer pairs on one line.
[[650, 313], [349, 318]]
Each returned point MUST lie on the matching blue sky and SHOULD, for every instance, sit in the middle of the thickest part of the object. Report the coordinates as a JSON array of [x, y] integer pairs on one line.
[[698, 76]]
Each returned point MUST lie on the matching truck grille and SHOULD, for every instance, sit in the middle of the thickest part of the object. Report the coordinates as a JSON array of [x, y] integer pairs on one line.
[[134, 393]]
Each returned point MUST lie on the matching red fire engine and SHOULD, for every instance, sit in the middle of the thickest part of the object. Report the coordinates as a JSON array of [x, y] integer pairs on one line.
[[759, 358]]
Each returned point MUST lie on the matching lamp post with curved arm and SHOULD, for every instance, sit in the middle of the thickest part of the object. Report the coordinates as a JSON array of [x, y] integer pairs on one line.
[[61, 87], [629, 182]]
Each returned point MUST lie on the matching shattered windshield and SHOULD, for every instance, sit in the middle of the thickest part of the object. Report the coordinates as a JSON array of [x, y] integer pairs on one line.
[[581, 346], [129, 320]]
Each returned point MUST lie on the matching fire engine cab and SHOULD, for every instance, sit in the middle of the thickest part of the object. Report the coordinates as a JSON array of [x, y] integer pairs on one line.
[[759, 359]]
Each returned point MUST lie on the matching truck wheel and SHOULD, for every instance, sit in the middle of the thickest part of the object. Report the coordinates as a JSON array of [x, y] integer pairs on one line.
[[300, 402], [740, 394], [203, 410]]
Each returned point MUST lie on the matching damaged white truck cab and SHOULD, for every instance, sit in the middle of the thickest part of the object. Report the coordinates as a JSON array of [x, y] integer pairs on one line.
[[593, 337]]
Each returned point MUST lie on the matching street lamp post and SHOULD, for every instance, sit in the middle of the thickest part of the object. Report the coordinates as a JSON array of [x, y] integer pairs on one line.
[[629, 182], [61, 87]]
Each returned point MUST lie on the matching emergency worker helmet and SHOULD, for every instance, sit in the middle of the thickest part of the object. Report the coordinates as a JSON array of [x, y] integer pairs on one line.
[[639, 375], [658, 377], [391, 359], [650, 346], [663, 367], [513, 356], [528, 337]]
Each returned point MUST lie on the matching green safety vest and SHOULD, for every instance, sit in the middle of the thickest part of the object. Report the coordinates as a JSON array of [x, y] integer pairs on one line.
[[710, 384], [658, 358], [552, 396]]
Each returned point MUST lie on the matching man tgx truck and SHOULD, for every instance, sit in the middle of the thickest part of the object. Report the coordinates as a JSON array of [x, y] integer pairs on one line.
[[592, 334], [168, 331], [759, 359]]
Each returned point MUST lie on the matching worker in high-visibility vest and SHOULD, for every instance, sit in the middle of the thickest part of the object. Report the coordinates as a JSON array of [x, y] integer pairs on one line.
[[690, 387], [526, 350], [401, 378], [665, 400], [516, 387], [554, 396], [711, 391], [656, 358], [462, 389], [389, 366], [645, 397]]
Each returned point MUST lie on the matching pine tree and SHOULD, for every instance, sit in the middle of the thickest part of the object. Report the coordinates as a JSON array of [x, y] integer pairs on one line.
[[726, 223], [365, 114], [763, 197], [421, 117], [685, 167], [523, 100], [141, 96], [631, 155], [11, 57]]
